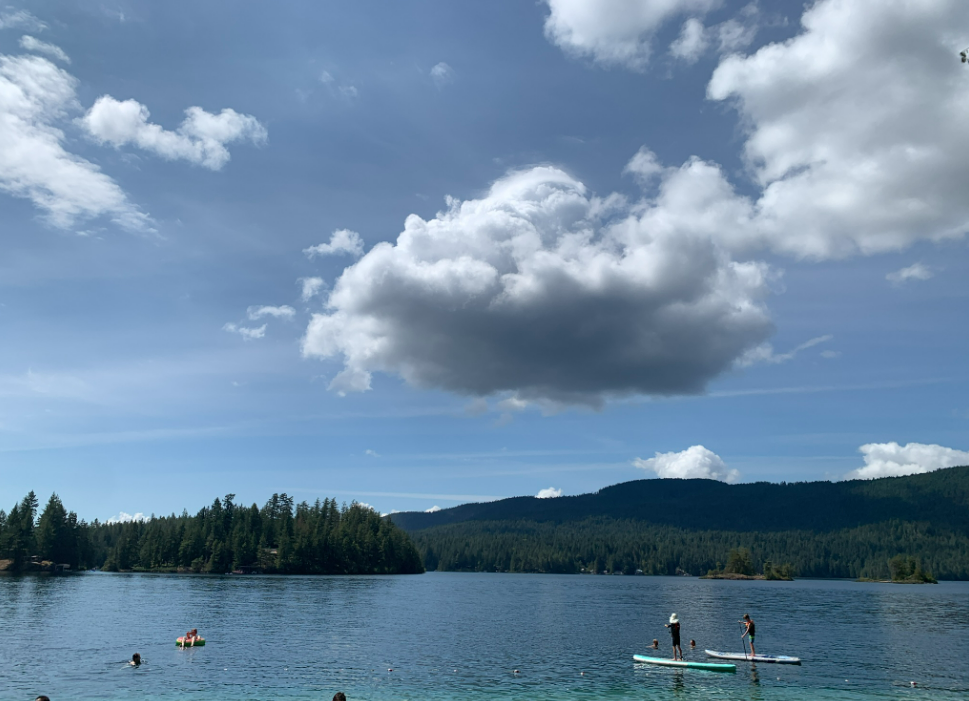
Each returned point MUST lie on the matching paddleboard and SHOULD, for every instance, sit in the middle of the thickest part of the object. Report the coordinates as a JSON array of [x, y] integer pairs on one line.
[[666, 662], [778, 659]]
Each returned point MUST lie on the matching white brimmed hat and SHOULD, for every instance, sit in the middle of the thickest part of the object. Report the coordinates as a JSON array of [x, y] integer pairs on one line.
[[674, 618]]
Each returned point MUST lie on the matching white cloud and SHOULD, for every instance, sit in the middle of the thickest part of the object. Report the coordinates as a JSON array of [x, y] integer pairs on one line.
[[764, 353], [916, 271], [542, 290], [442, 74], [311, 286], [341, 241], [696, 462], [894, 460], [124, 517], [35, 96], [29, 43], [247, 333], [432, 510], [349, 91], [615, 32], [371, 453], [735, 34], [691, 43], [644, 166], [326, 78], [200, 139], [258, 312], [13, 19], [365, 505], [729, 36], [856, 129], [548, 493]]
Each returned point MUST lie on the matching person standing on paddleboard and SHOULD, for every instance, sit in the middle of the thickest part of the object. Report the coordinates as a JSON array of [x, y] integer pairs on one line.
[[674, 626], [749, 632]]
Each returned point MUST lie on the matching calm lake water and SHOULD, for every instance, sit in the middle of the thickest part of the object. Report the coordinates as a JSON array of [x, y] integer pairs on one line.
[[461, 636]]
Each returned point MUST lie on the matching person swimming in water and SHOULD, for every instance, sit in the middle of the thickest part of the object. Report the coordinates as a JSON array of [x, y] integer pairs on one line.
[[674, 626], [749, 631], [655, 644], [135, 660]]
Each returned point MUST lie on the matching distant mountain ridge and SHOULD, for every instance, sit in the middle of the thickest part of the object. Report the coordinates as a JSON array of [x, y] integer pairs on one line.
[[669, 526], [940, 497]]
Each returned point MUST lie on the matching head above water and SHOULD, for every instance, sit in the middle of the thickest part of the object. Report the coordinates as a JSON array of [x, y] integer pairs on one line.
[[42, 698], [136, 658], [339, 696], [674, 618]]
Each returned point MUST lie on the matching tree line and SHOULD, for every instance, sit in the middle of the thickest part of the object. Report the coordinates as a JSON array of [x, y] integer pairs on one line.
[[606, 545], [281, 537]]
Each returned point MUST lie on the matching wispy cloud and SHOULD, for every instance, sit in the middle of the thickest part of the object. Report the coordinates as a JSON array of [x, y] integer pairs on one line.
[[342, 241], [442, 74], [311, 286], [916, 271], [764, 353], [258, 312], [29, 43], [248, 333]]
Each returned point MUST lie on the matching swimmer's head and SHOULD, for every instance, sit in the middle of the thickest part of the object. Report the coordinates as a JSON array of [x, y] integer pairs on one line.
[[339, 696], [136, 658], [693, 643]]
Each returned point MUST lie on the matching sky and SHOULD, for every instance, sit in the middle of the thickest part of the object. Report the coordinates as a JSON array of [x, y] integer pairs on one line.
[[421, 253]]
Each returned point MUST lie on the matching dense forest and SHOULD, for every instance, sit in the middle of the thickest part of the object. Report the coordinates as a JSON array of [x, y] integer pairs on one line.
[[819, 529], [281, 537]]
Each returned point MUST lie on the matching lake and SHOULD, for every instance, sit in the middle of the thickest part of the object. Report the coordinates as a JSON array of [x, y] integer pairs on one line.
[[462, 636]]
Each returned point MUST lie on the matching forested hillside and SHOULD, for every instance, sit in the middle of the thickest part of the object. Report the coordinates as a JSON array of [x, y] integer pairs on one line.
[[821, 529], [281, 537]]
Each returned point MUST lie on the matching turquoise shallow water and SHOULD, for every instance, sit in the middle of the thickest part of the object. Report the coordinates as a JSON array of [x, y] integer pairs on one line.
[[461, 636]]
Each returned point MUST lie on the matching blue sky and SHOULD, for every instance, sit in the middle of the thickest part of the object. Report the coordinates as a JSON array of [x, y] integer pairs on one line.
[[423, 253]]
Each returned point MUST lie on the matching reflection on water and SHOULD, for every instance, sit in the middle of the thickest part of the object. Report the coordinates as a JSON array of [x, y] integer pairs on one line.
[[462, 636]]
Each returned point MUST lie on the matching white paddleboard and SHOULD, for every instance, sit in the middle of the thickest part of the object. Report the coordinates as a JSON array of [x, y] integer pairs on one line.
[[778, 659], [666, 662]]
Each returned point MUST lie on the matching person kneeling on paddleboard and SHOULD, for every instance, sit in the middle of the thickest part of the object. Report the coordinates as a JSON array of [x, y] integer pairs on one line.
[[749, 631], [674, 626]]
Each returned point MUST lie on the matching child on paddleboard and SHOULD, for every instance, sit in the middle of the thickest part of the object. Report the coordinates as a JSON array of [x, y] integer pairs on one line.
[[749, 632], [674, 626]]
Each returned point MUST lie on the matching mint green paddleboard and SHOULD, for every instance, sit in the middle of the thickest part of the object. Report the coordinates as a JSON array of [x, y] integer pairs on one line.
[[666, 662]]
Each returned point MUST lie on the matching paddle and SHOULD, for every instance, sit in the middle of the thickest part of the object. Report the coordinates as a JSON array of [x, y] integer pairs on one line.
[[744, 641]]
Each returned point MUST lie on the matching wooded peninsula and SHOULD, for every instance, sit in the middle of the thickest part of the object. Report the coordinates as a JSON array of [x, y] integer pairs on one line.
[[281, 537]]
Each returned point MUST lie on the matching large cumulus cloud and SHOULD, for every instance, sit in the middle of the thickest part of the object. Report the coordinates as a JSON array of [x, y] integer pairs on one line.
[[856, 128], [544, 291]]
